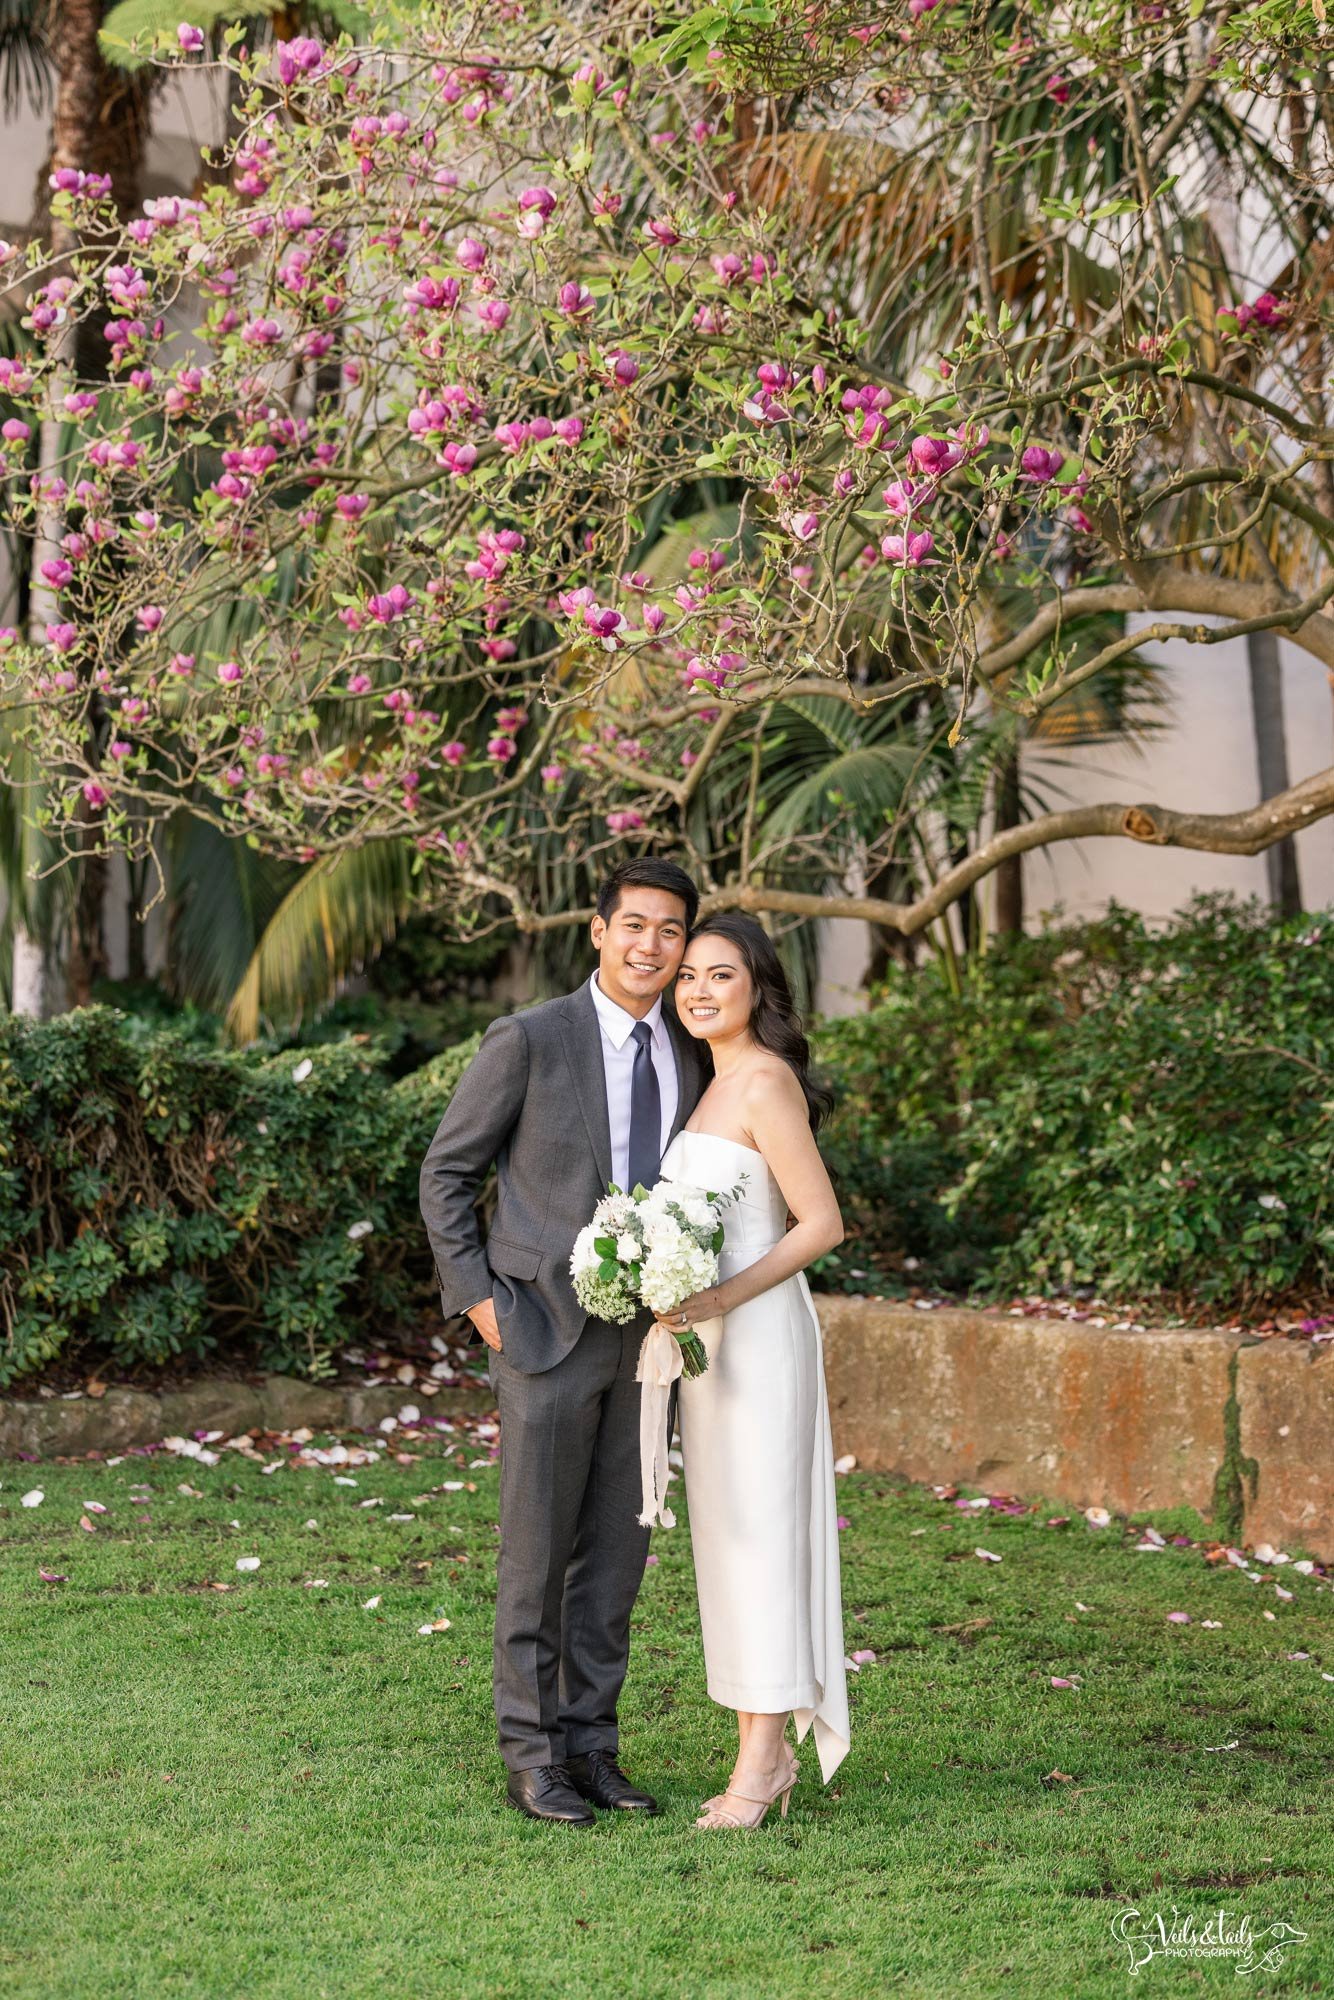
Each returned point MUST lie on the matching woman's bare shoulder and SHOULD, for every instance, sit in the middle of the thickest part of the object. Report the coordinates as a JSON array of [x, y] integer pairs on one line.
[[770, 1086]]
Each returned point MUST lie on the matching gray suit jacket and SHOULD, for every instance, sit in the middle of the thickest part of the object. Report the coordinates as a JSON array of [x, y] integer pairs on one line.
[[534, 1101]]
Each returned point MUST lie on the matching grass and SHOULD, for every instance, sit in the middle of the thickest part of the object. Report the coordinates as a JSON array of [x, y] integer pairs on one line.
[[271, 1791]]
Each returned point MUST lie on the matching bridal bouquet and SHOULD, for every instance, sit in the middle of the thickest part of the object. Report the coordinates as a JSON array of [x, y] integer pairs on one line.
[[650, 1249]]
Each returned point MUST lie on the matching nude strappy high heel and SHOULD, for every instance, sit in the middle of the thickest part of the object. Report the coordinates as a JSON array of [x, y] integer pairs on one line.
[[716, 1813]]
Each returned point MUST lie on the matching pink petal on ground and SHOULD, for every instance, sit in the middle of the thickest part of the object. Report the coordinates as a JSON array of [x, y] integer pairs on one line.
[[650, 1562], [865, 1658], [1178, 1617], [986, 1555], [53, 1576], [843, 1521], [1058, 1681]]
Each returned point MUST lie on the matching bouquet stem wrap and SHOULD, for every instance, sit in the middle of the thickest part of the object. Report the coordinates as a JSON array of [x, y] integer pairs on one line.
[[660, 1363]]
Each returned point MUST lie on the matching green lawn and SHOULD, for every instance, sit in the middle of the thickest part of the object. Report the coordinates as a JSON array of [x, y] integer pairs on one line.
[[270, 1790]]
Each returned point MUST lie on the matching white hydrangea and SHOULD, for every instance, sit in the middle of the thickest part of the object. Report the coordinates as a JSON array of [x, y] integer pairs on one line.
[[674, 1269]]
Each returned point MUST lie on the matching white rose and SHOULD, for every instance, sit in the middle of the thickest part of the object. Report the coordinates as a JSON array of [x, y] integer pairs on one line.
[[584, 1257], [627, 1249]]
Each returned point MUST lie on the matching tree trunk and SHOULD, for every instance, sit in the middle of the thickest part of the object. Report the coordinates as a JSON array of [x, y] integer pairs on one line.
[[1271, 752], [1010, 873], [99, 124], [30, 984]]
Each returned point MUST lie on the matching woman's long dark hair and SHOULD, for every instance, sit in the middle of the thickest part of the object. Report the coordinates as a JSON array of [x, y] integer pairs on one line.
[[774, 1020]]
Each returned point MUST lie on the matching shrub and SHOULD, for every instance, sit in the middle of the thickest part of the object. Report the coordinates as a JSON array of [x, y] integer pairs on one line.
[[1105, 1106], [158, 1200]]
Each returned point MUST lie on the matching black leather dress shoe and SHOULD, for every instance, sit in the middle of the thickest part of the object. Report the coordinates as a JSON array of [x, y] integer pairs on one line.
[[600, 1778], [546, 1793]]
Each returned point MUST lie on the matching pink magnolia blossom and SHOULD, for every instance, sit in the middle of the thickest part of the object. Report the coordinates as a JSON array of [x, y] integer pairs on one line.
[[627, 821], [96, 795], [453, 753], [190, 38], [535, 208], [935, 456], [621, 367], [388, 605], [575, 301], [909, 551], [501, 748], [300, 57], [230, 672], [1040, 464]]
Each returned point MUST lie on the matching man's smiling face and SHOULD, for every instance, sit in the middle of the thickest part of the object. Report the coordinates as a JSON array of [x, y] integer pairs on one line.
[[639, 947]]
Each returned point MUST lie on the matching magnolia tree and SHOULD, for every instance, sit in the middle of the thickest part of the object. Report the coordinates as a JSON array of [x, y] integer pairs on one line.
[[365, 531]]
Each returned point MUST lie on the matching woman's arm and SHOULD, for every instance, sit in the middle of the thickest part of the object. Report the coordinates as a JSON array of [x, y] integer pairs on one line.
[[775, 1111]]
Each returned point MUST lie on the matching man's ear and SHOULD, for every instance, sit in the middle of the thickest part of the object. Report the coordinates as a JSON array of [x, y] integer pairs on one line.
[[597, 930]]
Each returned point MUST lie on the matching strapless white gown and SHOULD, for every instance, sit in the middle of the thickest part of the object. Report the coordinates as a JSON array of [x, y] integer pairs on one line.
[[759, 1474]]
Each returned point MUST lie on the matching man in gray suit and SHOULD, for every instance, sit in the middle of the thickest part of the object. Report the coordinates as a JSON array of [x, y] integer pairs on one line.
[[565, 1098]]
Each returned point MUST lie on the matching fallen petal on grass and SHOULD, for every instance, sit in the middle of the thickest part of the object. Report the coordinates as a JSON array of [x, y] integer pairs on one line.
[[247, 1562]]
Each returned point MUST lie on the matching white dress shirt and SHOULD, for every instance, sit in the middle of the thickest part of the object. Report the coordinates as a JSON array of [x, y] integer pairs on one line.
[[618, 1062]]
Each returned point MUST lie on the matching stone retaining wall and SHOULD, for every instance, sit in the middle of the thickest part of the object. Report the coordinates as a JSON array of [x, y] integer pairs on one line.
[[123, 1417], [1239, 1429], [1242, 1430]]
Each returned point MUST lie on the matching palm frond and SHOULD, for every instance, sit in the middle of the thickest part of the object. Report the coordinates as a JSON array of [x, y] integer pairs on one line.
[[333, 919]]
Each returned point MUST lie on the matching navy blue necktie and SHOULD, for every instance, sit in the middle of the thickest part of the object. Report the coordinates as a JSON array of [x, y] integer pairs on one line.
[[645, 1112]]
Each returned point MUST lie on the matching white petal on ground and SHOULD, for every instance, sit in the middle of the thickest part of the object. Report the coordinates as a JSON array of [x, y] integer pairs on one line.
[[360, 1229], [371, 1604], [33, 1499], [302, 1070], [1097, 1517], [247, 1562], [409, 1414]]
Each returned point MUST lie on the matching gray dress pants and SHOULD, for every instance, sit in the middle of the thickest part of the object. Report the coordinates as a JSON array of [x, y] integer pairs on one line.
[[571, 1548]]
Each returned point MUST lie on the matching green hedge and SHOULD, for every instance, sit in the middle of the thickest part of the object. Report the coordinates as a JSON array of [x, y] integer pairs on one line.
[[1146, 1113], [160, 1200]]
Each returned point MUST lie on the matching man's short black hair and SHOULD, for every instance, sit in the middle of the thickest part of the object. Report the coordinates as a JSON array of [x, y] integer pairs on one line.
[[648, 873]]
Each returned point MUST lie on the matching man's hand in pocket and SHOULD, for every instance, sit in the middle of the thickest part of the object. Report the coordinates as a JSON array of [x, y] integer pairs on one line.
[[483, 1317]]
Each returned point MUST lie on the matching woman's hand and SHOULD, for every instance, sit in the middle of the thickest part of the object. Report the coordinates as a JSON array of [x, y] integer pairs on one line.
[[699, 1306]]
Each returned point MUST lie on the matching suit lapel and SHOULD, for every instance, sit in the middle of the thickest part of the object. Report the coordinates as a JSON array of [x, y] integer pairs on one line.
[[581, 1033], [687, 1072]]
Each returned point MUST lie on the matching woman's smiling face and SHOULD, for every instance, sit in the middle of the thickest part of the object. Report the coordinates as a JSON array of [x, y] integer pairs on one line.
[[713, 989]]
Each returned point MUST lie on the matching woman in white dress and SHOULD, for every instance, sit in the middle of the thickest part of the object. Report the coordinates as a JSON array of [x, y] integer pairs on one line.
[[759, 1469]]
